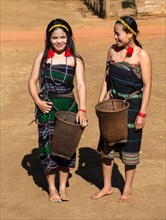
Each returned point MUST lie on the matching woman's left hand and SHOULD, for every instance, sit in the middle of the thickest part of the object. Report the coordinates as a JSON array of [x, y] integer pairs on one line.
[[139, 122], [81, 118]]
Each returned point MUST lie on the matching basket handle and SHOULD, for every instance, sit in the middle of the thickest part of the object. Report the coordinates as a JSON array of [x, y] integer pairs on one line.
[[74, 102], [62, 96], [57, 110], [110, 96], [134, 93], [65, 119], [130, 97]]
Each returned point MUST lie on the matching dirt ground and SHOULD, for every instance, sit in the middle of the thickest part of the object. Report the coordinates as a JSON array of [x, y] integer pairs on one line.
[[23, 186]]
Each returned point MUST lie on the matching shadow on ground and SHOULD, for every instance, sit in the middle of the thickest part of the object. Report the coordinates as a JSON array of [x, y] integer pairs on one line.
[[31, 163], [90, 169]]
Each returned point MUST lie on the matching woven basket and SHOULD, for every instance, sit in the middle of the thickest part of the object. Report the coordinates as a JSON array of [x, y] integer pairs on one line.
[[66, 136], [113, 119]]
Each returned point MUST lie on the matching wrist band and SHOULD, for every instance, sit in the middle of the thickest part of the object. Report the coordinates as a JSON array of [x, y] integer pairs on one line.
[[142, 114], [81, 110]]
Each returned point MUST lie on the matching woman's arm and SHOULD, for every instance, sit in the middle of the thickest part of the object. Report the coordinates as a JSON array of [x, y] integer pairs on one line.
[[81, 90], [103, 91], [146, 68], [45, 107]]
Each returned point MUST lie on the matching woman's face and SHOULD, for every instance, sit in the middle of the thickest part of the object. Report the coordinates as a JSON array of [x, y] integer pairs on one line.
[[121, 37], [58, 40]]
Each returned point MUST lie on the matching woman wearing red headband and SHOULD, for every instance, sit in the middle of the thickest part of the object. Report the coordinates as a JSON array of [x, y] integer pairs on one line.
[[128, 70], [55, 69]]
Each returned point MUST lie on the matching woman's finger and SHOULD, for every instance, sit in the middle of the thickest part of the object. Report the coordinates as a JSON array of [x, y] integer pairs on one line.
[[84, 123], [49, 103], [77, 118]]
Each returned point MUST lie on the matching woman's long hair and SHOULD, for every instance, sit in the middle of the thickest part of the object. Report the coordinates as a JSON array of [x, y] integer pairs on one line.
[[70, 42], [132, 23]]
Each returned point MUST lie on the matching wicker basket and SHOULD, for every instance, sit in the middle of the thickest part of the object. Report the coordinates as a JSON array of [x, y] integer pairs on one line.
[[66, 136], [113, 119]]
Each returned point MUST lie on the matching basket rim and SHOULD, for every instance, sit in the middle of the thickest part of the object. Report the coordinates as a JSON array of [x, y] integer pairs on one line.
[[67, 122], [114, 100]]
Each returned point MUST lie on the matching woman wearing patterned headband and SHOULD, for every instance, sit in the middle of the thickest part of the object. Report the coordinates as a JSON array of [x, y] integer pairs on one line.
[[55, 69], [128, 70]]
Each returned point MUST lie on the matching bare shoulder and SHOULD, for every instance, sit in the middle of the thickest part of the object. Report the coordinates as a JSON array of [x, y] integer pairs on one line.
[[37, 60], [144, 58], [79, 60], [112, 49], [143, 54], [39, 56]]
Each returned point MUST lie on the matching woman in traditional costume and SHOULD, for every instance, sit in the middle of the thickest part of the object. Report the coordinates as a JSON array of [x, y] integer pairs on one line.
[[55, 69], [128, 71]]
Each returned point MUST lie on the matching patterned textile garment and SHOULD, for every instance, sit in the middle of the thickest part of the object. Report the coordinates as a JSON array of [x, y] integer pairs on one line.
[[123, 80], [54, 80]]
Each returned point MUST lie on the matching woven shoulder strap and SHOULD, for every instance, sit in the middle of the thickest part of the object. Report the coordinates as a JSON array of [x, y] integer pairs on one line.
[[110, 96]]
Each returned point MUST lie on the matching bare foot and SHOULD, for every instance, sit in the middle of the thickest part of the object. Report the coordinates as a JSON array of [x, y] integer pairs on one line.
[[101, 193], [54, 197], [64, 196], [125, 198]]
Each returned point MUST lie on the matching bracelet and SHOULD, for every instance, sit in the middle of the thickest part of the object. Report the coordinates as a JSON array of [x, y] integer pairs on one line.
[[142, 114], [81, 110]]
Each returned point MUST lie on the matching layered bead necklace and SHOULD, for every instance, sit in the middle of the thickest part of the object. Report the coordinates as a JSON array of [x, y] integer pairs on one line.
[[50, 55], [58, 84]]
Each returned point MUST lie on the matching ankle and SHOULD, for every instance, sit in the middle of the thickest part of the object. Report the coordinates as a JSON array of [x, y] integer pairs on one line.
[[52, 189], [127, 191], [62, 189], [61, 192], [107, 188]]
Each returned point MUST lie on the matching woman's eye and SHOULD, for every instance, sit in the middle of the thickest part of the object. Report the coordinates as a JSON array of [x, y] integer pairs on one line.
[[54, 38]]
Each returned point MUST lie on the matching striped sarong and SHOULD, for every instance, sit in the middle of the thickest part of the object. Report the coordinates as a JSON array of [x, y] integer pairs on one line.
[[123, 80], [51, 86]]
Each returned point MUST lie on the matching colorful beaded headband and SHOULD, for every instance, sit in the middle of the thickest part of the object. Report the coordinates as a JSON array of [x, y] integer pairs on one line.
[[58, 25], [127, 26]]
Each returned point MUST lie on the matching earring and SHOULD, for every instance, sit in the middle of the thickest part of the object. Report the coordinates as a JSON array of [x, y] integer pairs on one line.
[[50, 53], [67, 52], [130, 51]]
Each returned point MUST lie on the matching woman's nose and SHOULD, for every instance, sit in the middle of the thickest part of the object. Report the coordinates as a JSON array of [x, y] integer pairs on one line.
[[115, 36], [59, 40]]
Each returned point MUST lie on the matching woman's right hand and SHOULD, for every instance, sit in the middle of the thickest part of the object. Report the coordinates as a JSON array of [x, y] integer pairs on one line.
[[45, 106]]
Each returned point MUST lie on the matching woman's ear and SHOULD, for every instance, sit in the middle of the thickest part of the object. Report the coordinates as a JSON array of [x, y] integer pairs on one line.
[[130, 35]]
